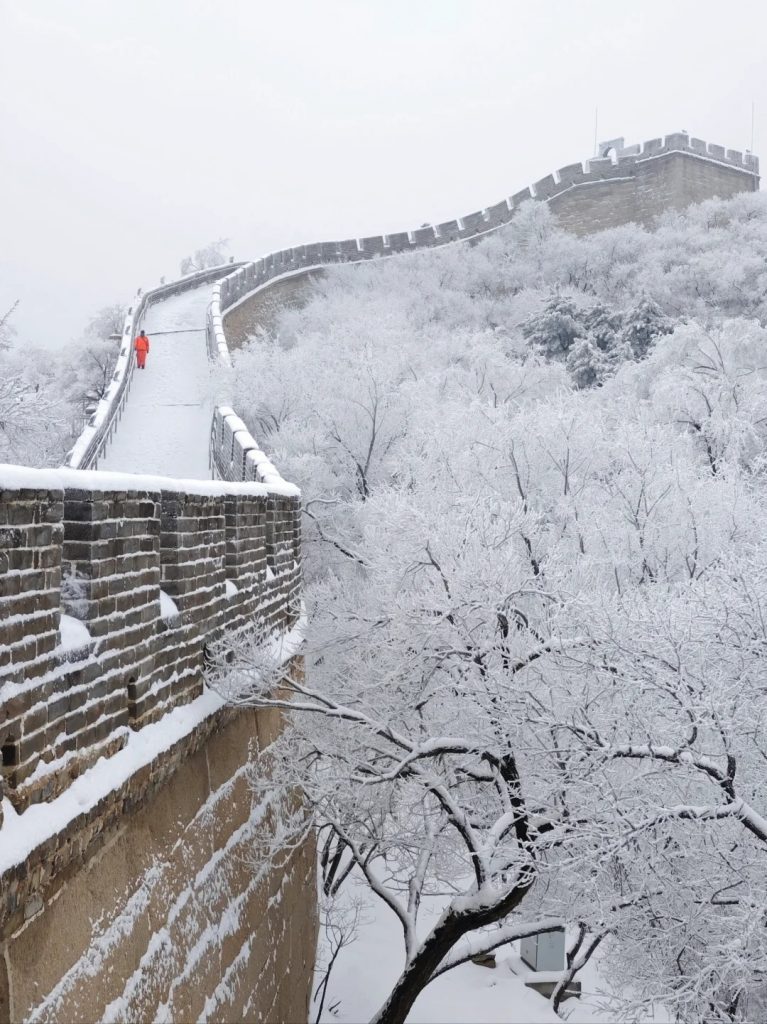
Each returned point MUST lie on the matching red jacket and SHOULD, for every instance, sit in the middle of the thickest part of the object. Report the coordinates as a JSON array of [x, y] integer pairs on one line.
[[141, 344]]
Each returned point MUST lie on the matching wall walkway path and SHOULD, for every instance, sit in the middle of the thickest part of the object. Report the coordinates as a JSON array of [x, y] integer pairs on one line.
[[166, 424]]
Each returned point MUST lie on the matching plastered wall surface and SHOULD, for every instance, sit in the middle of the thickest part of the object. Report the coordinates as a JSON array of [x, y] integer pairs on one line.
[[176, 917]]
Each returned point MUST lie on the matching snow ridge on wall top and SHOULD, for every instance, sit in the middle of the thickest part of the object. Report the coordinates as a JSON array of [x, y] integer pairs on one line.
[[676, 143]]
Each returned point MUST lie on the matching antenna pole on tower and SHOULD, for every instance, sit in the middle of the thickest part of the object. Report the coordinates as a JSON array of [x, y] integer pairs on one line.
[[753, 105], [596, 129]]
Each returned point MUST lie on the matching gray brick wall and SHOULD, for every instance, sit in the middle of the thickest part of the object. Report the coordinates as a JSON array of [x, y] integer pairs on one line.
[[66, 707]]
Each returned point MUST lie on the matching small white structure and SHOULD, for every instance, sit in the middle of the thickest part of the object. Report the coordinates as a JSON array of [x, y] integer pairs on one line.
[[544, 952]]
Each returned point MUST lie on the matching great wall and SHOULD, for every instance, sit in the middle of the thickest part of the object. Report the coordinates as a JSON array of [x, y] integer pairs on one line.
[[130, 885]]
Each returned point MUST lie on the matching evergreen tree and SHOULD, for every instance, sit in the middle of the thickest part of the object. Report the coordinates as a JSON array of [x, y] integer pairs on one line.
[[553, 332], [586, 364], [603, 326], [642, 325]]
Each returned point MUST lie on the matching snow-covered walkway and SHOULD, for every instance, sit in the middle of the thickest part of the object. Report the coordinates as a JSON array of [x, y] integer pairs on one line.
[[165, 426]]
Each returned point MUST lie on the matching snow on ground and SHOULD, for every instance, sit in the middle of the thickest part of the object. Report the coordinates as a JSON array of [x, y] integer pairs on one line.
[[366, 969], [165, 427]]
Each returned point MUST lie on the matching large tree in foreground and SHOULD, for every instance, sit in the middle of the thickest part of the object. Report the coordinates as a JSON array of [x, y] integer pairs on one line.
[[519, 702], [412, 742]]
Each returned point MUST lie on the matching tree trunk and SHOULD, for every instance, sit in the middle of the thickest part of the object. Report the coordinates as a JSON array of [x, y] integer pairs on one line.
[[418, 973]]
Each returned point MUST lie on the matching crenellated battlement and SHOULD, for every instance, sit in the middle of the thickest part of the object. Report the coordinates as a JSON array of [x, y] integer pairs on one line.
[[111, 586], [678, 142], [622, 183]]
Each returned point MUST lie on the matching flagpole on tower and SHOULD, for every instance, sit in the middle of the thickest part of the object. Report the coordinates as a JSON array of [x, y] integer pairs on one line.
[[596, 127]]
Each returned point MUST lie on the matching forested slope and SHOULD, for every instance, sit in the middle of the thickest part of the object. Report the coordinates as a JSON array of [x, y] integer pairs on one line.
[[536, 488]]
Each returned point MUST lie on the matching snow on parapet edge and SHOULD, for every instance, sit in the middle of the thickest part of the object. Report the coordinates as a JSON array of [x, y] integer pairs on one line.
[[264, 469], [13, 478], [20, 834]]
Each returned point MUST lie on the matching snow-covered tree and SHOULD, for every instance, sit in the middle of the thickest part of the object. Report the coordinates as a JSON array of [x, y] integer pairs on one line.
[[553, 332], [533, 687], [585, 363], [107, 321], [37, 424], [211, 255], [642, 325], [89, 362], [44, 395], [6, 327], [414, 727]]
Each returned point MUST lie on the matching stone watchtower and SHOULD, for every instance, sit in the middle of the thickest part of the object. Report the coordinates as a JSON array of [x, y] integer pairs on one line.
[[637, 183]]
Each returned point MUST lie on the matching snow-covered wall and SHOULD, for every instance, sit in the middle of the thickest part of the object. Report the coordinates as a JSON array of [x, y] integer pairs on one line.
[[617, 163], [111, 588], [90, 564]]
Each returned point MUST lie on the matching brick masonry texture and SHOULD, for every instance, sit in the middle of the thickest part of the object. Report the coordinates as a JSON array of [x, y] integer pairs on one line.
[[224, 560]]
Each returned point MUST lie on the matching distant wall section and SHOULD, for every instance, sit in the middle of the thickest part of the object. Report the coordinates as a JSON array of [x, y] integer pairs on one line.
[[622, 184], [640, 188]]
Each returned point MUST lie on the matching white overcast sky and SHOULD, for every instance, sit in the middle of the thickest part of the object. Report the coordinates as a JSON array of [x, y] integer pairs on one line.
[[134, 131]]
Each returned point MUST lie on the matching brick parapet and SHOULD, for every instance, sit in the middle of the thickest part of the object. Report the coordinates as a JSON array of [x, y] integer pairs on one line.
[[246, 555], [63, 704], [31, 536]]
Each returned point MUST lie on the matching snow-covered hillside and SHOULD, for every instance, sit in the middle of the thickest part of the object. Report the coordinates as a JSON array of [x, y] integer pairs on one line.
[[535, 484]]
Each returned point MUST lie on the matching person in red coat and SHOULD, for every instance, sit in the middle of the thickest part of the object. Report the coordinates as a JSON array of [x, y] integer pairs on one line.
[[141, 345]]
